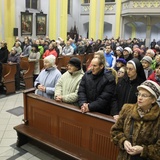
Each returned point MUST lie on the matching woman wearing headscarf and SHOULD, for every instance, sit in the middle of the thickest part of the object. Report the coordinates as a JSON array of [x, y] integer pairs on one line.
[[137, 131], [47, 79], [127, 87]]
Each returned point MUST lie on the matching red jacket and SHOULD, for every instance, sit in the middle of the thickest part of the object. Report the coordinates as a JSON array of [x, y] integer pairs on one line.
[[50, 52], [152, 78]]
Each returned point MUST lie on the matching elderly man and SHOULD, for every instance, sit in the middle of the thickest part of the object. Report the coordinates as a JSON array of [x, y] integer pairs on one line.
[[68, 49], [67, 86], [96, 88]]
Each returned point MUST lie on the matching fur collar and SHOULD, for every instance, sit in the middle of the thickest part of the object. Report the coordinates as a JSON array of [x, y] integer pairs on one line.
[[151, 116]]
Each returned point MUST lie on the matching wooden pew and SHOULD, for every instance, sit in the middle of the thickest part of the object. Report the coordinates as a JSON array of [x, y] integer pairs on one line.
[[62, 61], [64, 128], [8, 73], [41, 64], [27, 75]]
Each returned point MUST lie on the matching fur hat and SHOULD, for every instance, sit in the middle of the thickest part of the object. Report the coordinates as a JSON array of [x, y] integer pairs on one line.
[[151, 87], [75, 62], [128, 49], [148, 59]]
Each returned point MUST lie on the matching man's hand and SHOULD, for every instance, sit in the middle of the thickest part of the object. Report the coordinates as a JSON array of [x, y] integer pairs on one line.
[[84, 108], [116, 117]]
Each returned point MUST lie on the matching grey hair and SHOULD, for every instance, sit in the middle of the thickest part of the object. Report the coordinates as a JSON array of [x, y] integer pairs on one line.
[[51, 59]]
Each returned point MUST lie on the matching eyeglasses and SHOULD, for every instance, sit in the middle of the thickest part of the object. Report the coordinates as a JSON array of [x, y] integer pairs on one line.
[[142, 95]]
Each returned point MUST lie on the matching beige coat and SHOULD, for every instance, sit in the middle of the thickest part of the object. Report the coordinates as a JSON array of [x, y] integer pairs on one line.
[[68, 86]]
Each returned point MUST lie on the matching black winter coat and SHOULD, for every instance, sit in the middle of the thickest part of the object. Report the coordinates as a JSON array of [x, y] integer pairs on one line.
[[4, 55], [97, 90], [88, 49], [125, 93]]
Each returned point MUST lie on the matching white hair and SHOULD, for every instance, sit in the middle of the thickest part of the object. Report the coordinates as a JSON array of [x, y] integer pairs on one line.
[[51, 59]]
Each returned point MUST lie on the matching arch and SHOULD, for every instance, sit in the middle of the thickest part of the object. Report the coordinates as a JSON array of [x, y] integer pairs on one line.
[[135, 29], [107, 30], [86, 29], [155, 31]]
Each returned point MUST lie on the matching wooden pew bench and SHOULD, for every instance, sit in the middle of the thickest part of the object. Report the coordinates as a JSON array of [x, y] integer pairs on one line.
[[62, 61], [8, 76], [27, 74], [64, 128]]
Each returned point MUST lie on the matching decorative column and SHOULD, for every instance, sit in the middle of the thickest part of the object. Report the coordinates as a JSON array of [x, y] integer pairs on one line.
[[133, 34], [9, 22], [118, 18], [58, 18], [96, 19], [1, 20], [148, 31]]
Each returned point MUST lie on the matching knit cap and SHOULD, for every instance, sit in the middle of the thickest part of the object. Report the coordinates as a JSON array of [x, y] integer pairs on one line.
[[122, 60], [75, 62], [119, 48], [137, 50], [147, 58], [128, 49], [151, 87]]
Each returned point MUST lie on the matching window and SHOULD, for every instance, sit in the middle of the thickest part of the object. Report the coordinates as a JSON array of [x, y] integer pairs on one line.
[[69, 7], [33, 4]]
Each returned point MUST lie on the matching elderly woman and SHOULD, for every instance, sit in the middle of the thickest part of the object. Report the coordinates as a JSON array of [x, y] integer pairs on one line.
[[47, 79], [137, 131]]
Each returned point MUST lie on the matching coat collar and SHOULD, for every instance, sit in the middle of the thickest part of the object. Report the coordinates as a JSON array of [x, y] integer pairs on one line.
[[151, 116]]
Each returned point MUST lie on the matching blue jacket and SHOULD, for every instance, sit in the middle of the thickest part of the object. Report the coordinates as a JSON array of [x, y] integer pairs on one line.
[[48, 78]]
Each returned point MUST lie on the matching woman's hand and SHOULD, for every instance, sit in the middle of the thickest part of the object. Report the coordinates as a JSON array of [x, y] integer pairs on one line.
[[128, 146], [136, 150], [132, 150], [41, 88]]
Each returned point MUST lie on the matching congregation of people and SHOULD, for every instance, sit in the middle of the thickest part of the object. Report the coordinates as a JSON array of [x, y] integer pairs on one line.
[[128, 62], [119, 75]]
